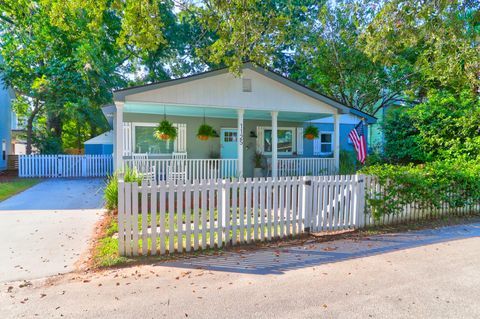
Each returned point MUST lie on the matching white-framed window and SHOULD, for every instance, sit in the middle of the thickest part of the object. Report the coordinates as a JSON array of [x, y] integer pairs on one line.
[[323, 145], [286, 140], [144, 141]]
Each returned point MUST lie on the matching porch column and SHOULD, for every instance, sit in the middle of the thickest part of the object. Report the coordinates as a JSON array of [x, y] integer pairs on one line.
[[240, 139], [118, 133], [274, 144], [336, 142]]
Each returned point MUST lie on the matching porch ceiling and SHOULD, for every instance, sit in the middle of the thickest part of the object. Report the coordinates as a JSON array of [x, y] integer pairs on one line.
[[216, 112]]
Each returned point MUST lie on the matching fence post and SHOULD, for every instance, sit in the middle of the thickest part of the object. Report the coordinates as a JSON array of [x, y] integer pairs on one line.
[[360, 201], [306, 204], [121, 216]]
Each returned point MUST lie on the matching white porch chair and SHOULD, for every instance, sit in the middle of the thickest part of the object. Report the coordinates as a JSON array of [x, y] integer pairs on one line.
[[177, 169], [141, 165]]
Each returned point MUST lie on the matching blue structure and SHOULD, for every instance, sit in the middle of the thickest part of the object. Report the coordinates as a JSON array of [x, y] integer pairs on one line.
[[6, 95], [100, 145], [323, 147]]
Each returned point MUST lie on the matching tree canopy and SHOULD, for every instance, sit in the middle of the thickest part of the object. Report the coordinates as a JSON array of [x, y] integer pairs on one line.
[[64, 58]]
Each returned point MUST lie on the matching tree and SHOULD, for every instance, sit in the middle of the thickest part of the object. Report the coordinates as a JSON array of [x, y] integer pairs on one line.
[[70, 54], [439, 39]]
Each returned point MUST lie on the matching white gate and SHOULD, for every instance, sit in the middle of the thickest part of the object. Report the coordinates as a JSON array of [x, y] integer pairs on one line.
[[65, 165]]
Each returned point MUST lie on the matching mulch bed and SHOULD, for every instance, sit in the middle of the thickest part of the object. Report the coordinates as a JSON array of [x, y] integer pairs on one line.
[[8, 175]]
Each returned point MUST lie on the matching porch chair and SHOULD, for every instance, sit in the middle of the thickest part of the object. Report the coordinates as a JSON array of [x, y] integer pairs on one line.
[[145, 171], [177, 169]]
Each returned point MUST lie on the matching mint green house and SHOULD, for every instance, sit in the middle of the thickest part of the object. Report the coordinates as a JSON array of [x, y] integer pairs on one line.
[[259, 112]]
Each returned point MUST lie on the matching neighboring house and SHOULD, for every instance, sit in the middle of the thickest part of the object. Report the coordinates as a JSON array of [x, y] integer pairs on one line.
[[261, 111], [323, 145], [101, 144], [6, 96]]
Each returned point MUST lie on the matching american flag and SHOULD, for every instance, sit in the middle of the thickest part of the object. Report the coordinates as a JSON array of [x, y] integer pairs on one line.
[[358, 138]]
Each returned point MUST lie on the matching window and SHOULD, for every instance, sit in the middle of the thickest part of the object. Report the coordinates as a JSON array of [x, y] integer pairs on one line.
[[323, 145], [230, 137], [286, 137], [144, 141]]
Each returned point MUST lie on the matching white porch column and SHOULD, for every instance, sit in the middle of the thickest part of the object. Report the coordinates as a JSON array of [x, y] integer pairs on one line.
[[240, 140], [336, 141], [118, 133], [274, 144]]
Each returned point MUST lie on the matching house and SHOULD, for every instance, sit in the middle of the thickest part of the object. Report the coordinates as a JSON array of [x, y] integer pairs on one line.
[[6, 96], [101, 144], [260, 111]]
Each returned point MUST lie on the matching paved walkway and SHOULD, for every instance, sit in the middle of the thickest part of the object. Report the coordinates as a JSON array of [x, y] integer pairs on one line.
[[46, 228], [424, 274]]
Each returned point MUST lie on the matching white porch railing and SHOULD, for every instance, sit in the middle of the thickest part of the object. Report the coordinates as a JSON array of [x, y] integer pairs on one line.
[[308, 166], [188, 169]]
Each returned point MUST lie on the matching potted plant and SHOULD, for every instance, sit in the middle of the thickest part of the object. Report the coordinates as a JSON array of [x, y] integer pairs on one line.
[[205, 131], [311, 132], [166, 131], [258, 164]]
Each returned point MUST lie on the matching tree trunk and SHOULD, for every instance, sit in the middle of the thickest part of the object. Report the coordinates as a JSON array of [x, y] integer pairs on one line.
[[29, 134]]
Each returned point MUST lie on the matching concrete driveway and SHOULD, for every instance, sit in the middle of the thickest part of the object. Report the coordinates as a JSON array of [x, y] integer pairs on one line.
[[45, 229]]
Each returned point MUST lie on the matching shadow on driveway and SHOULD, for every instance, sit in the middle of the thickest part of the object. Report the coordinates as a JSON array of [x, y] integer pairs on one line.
[[266, 262]]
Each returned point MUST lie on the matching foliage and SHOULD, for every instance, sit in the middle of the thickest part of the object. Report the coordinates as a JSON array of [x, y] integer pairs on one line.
[[348, 162], [111, 186], [429, 186], [330, 58], [258, 159], [166, 131], [446, 126], [205, 131], [437, 39], [401, 138], [310, 132]]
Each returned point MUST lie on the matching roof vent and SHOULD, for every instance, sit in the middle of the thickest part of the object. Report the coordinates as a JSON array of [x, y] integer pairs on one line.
[[247, 85]]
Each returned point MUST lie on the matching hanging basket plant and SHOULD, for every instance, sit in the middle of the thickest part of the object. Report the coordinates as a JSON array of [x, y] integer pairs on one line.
[[166, 131], [205, 131], [311, 132]]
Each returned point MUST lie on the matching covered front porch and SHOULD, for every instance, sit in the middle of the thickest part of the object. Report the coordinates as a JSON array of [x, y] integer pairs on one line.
[[245, 138], [259, 119]]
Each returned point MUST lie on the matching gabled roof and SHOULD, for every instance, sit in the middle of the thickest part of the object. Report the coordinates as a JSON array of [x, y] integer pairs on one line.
[[119, 95]]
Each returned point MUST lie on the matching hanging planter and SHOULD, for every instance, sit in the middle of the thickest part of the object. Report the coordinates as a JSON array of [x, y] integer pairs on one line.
[[311, 132], [205, 131], [166, 131]]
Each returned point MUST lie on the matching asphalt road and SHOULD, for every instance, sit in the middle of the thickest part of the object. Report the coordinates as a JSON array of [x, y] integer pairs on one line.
[[45, 229], [426, 274]]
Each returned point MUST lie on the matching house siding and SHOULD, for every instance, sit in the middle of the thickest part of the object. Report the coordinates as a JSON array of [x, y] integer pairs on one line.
[[327, 127]]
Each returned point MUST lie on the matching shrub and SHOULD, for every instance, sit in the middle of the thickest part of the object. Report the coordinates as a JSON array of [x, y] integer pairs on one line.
[[455, 184], [111, 187], [348, 162]]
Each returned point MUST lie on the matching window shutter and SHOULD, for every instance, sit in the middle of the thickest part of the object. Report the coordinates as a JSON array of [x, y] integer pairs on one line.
[[260, 139], [127, 139], [317, 146], [181, 140], [300, 140]]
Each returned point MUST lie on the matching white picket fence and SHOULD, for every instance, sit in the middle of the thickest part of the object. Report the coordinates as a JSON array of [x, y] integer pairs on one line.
[[171, 217], [65, 165], [411, 211]]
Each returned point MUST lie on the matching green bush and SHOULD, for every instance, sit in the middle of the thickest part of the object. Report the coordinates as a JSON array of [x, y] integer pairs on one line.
[[348, 162], [111, 187], [455, 183]]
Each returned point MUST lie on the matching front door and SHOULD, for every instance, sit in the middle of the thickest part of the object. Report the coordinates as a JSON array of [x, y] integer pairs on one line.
[[228, 143]]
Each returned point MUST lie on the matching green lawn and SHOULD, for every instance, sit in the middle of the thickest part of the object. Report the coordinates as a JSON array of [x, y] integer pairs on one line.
[[10, 188]]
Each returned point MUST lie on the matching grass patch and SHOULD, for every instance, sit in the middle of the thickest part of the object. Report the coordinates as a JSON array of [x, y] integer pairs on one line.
[[10, 188]]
